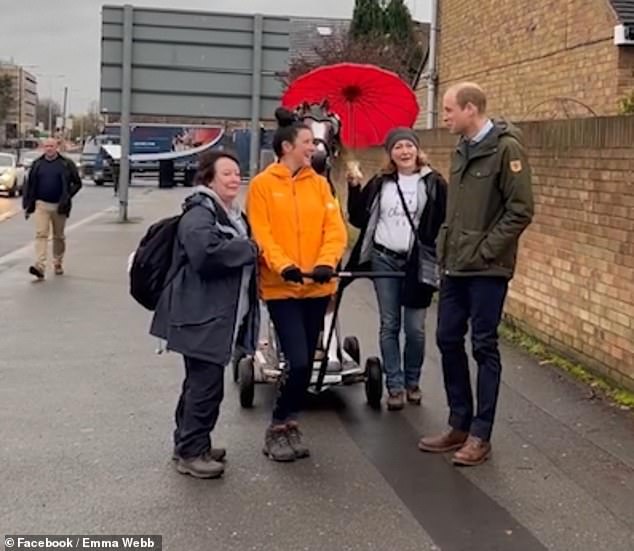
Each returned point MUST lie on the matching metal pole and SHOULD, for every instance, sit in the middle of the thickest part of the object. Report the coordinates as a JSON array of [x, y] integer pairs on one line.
[[256, 90], [64, 111], [50, 107], [432, 82], [126, 97], [19, 127]]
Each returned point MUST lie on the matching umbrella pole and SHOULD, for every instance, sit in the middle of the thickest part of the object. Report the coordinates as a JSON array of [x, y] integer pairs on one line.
[[351, 119]]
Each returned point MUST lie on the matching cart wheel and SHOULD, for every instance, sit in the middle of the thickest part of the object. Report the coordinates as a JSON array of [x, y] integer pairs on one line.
[[246, 378], [351, 346], [374, 382]]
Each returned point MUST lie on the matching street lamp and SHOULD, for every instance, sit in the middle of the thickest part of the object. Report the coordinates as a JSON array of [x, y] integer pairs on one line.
[[50, 77], [86, 100]]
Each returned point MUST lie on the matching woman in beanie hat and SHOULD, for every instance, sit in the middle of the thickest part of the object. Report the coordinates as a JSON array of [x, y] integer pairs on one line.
[[395, 238]]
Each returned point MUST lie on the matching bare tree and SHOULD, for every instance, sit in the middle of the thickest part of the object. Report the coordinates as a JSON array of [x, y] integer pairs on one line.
[[403, 59]]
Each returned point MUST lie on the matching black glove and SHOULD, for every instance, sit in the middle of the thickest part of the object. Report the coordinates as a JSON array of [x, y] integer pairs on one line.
[[292, 274], [323, 274]]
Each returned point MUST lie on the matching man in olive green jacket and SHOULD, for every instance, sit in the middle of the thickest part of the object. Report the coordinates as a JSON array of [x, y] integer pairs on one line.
[[490, 204]]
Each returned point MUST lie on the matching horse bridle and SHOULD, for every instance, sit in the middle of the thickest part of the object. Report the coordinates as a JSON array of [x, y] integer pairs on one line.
[[331, 150]]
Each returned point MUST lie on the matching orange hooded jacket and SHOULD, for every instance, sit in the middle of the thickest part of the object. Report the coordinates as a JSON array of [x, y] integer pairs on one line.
[[295, 220]]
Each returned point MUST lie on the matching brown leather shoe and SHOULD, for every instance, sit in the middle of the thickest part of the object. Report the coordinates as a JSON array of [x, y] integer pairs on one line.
[[396, 401], [475, 452], [446, 442], [414, 395]]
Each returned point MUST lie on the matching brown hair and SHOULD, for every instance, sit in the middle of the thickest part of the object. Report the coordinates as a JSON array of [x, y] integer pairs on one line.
[[468, 92], [389, 167], [207, 165]]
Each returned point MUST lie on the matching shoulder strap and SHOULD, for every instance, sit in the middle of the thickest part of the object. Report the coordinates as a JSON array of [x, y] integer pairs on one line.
[[407, 213]]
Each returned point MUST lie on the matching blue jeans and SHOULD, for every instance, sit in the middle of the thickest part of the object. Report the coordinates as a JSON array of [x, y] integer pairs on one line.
[[480, 301], [406, 374]]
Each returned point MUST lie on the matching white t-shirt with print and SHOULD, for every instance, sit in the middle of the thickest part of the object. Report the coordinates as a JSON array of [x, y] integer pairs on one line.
[[393, 230]]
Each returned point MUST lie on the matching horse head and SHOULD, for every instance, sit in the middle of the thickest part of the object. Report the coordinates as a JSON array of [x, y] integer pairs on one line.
[[326, 127]]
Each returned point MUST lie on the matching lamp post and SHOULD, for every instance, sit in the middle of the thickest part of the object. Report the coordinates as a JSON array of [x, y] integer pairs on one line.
[[50, 77], [82, 123]]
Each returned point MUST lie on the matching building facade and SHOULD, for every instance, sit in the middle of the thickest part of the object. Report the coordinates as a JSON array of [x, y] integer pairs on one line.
[[538, 60], [22, 113]]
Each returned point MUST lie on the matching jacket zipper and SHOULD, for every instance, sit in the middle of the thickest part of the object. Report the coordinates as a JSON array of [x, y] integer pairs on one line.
[[299, 250]]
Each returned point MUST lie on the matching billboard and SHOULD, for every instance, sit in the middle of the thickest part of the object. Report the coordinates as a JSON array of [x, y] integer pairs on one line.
[[177, 63], [153, 139], [192, 64]]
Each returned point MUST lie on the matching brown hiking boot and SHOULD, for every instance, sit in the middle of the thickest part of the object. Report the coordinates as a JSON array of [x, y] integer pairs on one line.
[[475, 452], [59, 269], [294, 436], [448, 441], [276, 444], [414, 395], [200, 467], [396, 401]]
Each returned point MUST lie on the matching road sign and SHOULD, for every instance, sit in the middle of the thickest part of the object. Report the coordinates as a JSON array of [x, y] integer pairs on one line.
[[191, 64]]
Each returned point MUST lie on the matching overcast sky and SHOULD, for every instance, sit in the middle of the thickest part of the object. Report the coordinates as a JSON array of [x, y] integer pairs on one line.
[[62, 37]]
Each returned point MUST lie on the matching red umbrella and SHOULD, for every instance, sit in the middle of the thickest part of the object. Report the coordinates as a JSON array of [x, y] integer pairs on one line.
[[370, 101]]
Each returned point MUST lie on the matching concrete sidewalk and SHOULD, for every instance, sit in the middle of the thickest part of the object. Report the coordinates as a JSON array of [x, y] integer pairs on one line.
[[87, 411]]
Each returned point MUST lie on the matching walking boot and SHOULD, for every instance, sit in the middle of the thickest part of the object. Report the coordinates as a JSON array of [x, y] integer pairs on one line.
[[276, 444], [200, 467], [295, 440], [396, 400]]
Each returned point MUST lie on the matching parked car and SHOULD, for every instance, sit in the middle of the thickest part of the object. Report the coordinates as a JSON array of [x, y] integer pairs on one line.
[[11, 175], [28, 157]]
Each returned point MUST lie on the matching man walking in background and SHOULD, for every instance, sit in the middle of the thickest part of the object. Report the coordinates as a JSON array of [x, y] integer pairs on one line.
[[489, 205], [53, 182]]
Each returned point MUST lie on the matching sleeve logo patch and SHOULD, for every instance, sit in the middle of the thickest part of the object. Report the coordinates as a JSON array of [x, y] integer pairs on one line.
[[516, 166]]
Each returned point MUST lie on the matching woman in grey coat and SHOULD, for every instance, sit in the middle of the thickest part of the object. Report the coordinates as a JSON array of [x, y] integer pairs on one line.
[[209, 307]]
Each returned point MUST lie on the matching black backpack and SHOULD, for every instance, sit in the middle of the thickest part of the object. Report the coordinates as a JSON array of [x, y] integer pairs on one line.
[[152, 262]]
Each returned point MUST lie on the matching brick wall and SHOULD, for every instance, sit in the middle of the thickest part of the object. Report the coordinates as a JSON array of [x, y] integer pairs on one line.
[[537, 60], [574, 287]]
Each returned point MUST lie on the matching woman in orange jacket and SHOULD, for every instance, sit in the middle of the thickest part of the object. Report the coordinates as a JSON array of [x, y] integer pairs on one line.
[[299, 229]]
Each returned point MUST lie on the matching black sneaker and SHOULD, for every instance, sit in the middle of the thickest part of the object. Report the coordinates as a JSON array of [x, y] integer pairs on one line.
[[37, 272], [276, 445], [295, 440]]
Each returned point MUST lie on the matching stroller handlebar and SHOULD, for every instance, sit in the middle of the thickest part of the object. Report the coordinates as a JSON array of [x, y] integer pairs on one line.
[[359, 275]]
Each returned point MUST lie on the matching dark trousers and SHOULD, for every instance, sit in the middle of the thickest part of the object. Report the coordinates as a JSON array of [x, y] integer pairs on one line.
[[198, 407], [479, 300], [297, 323]]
